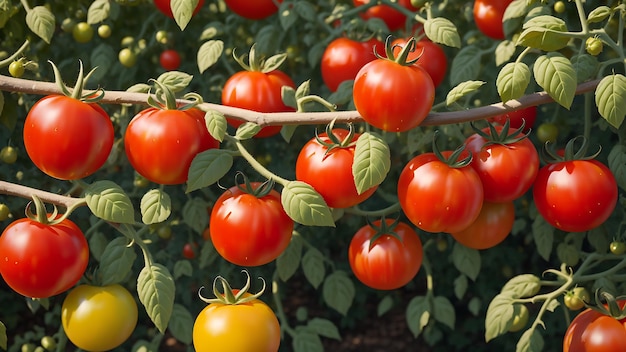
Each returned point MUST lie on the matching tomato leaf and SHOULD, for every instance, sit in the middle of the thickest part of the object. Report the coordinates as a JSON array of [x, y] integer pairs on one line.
[[338, 291], [443, 311], [97, 244], [547, 33], [195, 214], [462, 90], [103, 57], [555, 74], [216, 124], [585, 66], [207, 168], [175, 81], [98, 11], [604, 284], [3, 336], [288, 96], [443, 31], [460, 286], [516, 9], [384, 305], [520, 286], [499, 318], [313, 267], [466, 260], [208, 54], [181, 324], [303, 89], [108, 201], [139, 88], [156, 206], [599, 14], [512, 81], [182, 268], [116, 261], [183, 11], [155, 288], [306, 340], [372, 161], [531, 341], [543, 234], [418, 138], [324, 327], [418, 314], [41, 21], [208, 255], [247, 130], [466, 65], [305, 206], [617, 164], [475, 305], [289, 261], [287, 132], [599, 239], [286, 16], [567, 254], [504, 51], [611, 99], [305, 10]]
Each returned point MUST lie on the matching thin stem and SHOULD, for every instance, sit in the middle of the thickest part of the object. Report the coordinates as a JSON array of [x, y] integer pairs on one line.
[[374, 213], [582, 16], [14, 56], [579, 277], [25, 5], [254, 163], [587, 124], [280, 312]]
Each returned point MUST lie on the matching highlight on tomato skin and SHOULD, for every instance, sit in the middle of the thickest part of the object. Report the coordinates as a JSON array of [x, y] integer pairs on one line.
[[488, 16]]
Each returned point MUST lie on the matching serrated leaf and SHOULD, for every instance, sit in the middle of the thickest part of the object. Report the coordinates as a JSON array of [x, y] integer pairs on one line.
[[286, 15], [611, 99], [466, 65], [305, 206], [3, 336], [543, 234], [516, 9], [196, 215], [313, 267], [520, 286], [555, 74], [499, 316], [306, 340], [156, 206], [372, 161], [466, 260], [41, 21], [207, 168], [418, 314], [504, 51], [547, 33], [182, 268], [155, 288], [460, 286], [289, 261], [384, 305], [531, 341], [108, 201], [585, 66], [443, 311], [183, 11], [181, 324], [247, 130], [116, 261], [175, 81], [443, 31], [338, 291], [599, 14], [98, 11], [325, 328], [512, 81], [208, 54], [462, 90]]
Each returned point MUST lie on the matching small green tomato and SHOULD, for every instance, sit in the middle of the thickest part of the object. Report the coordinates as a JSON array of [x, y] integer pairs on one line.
[[559, 7], [82, 32], [16, 68], [127, 57], [4, 211], [8, 155], [576, 298], [593, 46], [618, 247], [104, 31]]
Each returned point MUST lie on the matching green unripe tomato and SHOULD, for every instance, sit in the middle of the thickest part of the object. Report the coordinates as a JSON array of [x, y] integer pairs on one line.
[[418, 3], [16, 68], [68, 25], [48, 343], [127, 57], [4, 211], [165, 232], [28, 347], [559, 7], [547, 132], [576, 298], [82, 32], [104, 31], [520, 319], [127, 41], [618, 247], [162, 37], [8, 155], [593, 46]]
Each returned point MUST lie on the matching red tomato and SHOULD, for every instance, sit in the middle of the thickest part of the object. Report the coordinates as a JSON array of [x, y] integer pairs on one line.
[[316, 166], [67, 138], [507, 170], [391, 96], [165, 7], [575, 196], [488, 16], [40, 260], [170, 60], [493, 224], [189, 250], [257, 91], [527, 115], [393, 18], [344, 57], [254, 10], [592, 331], [160, 144], [248, 230], [386, 262], [432, 58], [439, 198]]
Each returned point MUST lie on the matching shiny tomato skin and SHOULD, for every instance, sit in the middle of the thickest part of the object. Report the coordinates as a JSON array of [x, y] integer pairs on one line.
[[390, 262], [164, 6], [592, 331], [393, 18], [316, 167], [432, 58], [67, 138], [40, 261], [393, 97], [493, 225], [160, 144], [247, 230], [344, 57], [488, 16], [257, 91], [575, 196], [507, 171], [438, 198], [170, 60], [254, 10], [527, 115]]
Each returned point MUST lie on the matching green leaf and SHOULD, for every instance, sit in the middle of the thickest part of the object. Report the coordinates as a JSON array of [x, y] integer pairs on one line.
[[599, 14], [303, 89], [287, 132], [338, 291], [183, 11], [216, 124], [98, 11], [443, 31], [116, 261], [466, 260], [512, 81], [103, 57], [324, 327], [306, 340], [568, 254], [460, 286], [516, 9], [418, 314], [304, 205], [611, 99], [289, 261], [585, 66], [520, 286], [286, 15], [175, 81], [247, 130], [156, 206], [207, 168], [108, 201], [499, 318], [599, 239], [443, 311], [384, 305], [305, 10], [208, 255], [182, 268], [543, 234], [313, 267], [208, 54], [474, 306], [462, 90], [181, 324], [372, 161], [139, 88], [504, 51], [555, 74], [288, 96], [466, 65], [547, 33], [617, 164], [343, 94], [41, 21], [1, 102], [97, 244], [552, 305], [3, 336], [531, 341], [155, 288], [196, 215]]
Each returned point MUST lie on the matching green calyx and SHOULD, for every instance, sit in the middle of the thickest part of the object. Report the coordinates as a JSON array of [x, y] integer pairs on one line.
[[41, 215], [334, 141], [454, 159], [259, 64], [402, 57], [571, 152], [229, 296], [505, 136], [612, 307], [165, 99], [77, 91], [384, 229], [247, 187]]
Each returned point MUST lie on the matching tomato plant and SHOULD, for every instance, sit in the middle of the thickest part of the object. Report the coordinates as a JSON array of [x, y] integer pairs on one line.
[[576, 298], [82, 32], [127, 57], [170, 60], [618, 247], [344, 57], [393, 18], [165, 7], [254, 10], [430, 56], [488, 16], [16, 68], [595, 331], [492, 226]]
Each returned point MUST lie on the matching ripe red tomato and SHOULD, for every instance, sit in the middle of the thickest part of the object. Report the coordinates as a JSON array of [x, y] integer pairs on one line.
[[67, 138], [165, 7], [527, 115], [507, 170], [393, 18], [493, 225], [170, 60], [386, 262], [344, 57], [257, 91], [316, 166], [438, 198], [575, 196], [40, 261], [160, 144], [391, 96], [189, 250], [432, 58], [254, 10], [592, 331], [488, 16], [248, 230]]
